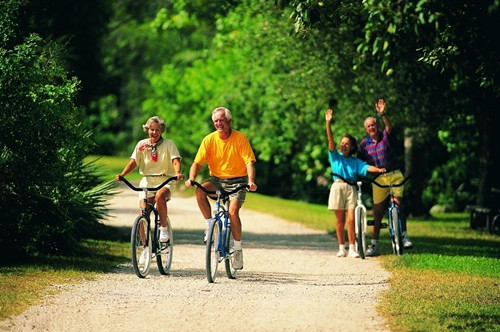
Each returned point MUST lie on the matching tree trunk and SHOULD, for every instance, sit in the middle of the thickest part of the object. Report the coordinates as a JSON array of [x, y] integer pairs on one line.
[[414, 168]]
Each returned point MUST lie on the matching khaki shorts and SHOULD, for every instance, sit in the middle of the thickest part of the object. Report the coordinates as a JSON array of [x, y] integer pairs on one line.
[[150, 182], [342, 196], [231, 184], [380, 194]]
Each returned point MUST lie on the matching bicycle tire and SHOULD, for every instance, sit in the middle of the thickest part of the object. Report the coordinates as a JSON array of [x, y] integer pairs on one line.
[[212, 252], [360, 232], [140, 240], [165, 250], [228, 260], [397, 241]]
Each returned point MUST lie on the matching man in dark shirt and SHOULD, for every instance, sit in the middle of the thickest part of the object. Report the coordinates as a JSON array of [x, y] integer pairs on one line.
[[377, 149]]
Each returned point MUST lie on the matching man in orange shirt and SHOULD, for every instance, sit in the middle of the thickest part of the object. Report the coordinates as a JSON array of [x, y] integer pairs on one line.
[[230, 160]]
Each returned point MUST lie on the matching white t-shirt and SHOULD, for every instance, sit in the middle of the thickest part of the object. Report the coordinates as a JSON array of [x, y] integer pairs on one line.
[[166, 151]]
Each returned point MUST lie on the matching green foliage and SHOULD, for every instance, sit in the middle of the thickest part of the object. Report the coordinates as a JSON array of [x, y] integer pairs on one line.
[[47, 196]]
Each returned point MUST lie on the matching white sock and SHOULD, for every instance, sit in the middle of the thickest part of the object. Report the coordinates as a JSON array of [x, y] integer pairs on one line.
[[208, 221], [351, 247], [237, 245], [341, 247], [375, 242]]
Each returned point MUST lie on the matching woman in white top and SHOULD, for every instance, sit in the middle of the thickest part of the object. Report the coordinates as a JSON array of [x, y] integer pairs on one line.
[[158, 159]]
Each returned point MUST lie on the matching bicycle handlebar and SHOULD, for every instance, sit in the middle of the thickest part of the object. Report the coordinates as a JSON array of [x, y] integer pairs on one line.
[[131, 186], [354, 183], [221, 191]]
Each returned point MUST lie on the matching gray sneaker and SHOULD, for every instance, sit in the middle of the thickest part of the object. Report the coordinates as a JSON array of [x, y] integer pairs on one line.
[[372, 250], [406, 242], [238, 259]]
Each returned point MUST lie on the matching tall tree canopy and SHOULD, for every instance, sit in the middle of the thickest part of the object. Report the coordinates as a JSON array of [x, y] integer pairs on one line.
[[456, 40]]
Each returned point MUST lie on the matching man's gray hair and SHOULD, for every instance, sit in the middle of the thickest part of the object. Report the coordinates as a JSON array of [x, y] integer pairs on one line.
[[227, 113]]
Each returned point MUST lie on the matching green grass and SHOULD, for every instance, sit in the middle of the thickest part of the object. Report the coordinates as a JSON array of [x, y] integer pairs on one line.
[[110, 166], [448, 282]]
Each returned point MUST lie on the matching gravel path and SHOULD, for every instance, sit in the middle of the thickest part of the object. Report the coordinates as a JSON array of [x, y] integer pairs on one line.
[[291, 281]]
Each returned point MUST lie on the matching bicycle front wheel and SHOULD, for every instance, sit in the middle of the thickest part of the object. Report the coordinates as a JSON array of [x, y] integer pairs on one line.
[[360, 233], [165, 250], [230, 270], [397, 239], [212, 252], [141, 246]]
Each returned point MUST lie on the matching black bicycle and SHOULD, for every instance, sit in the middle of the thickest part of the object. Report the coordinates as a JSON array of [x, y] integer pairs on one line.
[[144, 246], [220, 242]]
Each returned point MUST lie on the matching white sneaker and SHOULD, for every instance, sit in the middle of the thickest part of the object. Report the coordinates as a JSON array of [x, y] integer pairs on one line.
[[142, 259], [353, 254], [238, 259], [406, 242], [341, 252], [164, 234], [372, 250]]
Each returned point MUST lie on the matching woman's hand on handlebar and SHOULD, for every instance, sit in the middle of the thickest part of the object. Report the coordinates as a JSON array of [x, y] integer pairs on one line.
[[188, 183]]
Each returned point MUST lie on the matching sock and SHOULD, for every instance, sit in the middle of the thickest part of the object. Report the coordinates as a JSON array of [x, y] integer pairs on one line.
[[208, 221], [351, 247], [237, 245], [375, 242], [341, 246]]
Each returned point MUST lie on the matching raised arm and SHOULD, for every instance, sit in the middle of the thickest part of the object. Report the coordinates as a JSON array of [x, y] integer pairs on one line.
[[380, 107], [329, 134]]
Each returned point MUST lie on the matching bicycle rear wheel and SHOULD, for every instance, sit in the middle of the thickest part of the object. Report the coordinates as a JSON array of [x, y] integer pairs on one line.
[[141, 246], [360, 233], [230, 270], [165, 250], [397, 239], [212, 253]]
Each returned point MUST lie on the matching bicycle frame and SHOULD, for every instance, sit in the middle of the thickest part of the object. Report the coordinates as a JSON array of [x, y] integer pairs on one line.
[[222, 218]]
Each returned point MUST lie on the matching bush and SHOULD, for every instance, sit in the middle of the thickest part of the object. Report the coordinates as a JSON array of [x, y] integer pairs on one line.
[[47, 194]]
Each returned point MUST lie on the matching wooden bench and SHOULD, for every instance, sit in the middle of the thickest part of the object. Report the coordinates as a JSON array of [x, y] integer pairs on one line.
[[479, 216]]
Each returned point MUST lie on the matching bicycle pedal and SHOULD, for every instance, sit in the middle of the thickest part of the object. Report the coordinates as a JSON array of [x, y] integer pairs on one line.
[[383, 225], [370, 222]]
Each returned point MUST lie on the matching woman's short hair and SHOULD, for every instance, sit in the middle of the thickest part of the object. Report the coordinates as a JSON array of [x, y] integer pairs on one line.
[[354, 144], [154, 119], [227, 113]]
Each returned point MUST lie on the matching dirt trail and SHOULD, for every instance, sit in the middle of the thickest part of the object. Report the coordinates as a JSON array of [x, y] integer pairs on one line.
[[291, 281]]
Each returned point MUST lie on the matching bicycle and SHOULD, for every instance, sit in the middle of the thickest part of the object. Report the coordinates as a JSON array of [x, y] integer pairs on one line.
[[220, 242], [394, 216], [145, 247], [360, 222]]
